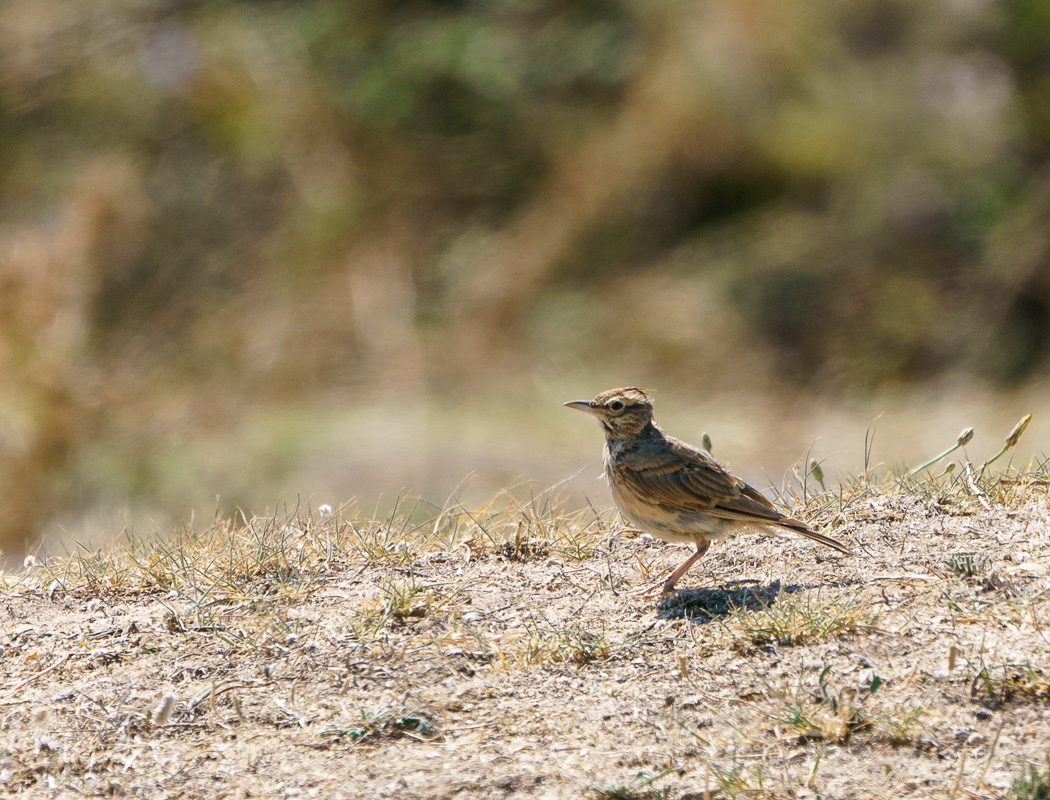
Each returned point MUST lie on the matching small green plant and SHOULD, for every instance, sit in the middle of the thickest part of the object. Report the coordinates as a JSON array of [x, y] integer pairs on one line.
[[832, 714], [817, 471], [385, 722], [402, 601], [409, 600], [466, 640], [967, 566], [640, 787], [836, 714], [1032, 784], [741, 781], [803, 721], [899, 727], [523, 546], [1010, 441], [997, 684], [789, 621], [962, 440], [547, 644]]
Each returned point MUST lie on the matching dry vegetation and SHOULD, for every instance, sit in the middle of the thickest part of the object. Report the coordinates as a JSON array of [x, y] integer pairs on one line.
[[220, 219], [504, 652]]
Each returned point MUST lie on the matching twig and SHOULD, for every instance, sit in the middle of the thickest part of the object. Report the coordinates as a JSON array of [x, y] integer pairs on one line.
[[42, 673], [981, 496], [991, 754], [214, 691], [959, 777]]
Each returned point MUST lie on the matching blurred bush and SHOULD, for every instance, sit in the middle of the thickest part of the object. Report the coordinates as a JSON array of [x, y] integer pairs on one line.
[[206, 205]]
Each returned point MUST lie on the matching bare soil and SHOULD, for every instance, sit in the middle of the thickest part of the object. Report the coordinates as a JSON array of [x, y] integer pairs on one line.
[[514, 658]]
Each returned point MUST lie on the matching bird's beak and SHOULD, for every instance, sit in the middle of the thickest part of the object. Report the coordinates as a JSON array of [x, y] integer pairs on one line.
[[583, 405]]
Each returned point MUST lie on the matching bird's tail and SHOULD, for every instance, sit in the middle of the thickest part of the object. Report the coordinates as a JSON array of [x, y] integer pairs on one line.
[[803, 529]]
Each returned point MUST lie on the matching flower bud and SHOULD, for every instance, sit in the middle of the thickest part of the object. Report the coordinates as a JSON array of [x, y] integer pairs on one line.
[[1015, 434], [817, 470]]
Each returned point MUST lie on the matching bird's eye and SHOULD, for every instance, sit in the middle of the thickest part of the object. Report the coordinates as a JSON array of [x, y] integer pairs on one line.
[[616, 405]]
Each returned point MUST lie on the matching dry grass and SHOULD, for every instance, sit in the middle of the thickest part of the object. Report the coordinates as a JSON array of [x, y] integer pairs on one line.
[[501, 651]]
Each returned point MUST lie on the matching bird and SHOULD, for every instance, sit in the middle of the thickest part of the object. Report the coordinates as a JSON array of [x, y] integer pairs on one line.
[[673, 490]]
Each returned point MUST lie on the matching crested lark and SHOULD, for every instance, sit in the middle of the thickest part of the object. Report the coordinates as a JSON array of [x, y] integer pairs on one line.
[[673, 490]]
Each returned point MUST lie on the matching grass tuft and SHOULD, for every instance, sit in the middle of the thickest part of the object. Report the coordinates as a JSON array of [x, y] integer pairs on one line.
[[996, 685], [741, 781], [572, 645], [387, 722], [968, 566], [1032, 784], [640, 787], [790, 620]]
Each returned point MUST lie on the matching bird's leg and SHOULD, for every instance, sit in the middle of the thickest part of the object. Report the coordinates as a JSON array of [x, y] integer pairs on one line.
[[672, 579], [666, 587]]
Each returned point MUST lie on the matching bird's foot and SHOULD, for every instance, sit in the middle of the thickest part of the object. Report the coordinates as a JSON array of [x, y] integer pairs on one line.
[[660, 589]]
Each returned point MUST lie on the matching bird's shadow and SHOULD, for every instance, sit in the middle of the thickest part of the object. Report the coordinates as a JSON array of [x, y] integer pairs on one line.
[[704, 605]]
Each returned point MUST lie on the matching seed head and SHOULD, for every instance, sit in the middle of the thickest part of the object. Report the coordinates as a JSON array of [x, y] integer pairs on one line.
[[162, 713], [1015, 434], [816, 469]]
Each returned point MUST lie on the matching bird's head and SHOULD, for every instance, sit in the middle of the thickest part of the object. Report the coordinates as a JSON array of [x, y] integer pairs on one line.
[[623, 413]]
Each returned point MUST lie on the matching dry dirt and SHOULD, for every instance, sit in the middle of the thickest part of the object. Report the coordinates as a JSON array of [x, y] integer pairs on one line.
[[510, 656]]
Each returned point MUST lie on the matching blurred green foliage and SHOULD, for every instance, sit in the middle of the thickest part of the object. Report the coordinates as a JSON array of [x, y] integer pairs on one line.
[[208, 204]]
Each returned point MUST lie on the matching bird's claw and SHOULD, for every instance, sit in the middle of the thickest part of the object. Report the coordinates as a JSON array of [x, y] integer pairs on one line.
[[657, 590]]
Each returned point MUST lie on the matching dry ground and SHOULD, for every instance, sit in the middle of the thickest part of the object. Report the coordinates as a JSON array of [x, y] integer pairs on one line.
[[503, 653]]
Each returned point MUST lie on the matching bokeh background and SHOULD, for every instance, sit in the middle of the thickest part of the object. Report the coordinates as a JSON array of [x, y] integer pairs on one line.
[[254, 254]]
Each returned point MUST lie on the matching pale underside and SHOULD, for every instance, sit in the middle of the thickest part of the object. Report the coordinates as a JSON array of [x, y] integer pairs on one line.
[[673, 515], [687, 527]]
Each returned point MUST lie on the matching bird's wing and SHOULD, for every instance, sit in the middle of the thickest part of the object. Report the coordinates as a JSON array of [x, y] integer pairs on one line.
[[683, 478]]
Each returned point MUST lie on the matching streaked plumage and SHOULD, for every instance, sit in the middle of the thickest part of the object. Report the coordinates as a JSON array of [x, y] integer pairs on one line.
[[673, 490]]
